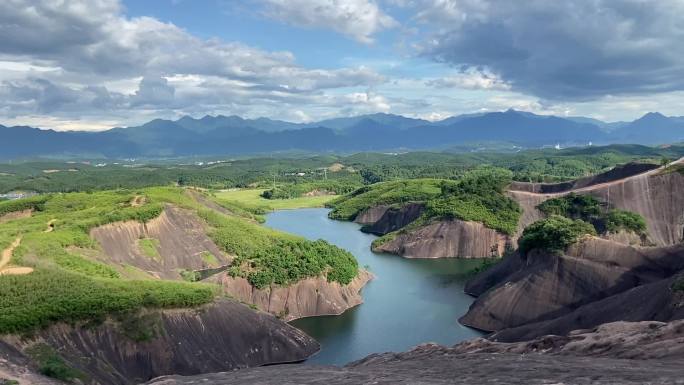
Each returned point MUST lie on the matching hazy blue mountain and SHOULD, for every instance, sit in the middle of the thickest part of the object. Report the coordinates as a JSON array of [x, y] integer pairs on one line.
[[233, 135], [210, 123], [396, 121], [652, 128]]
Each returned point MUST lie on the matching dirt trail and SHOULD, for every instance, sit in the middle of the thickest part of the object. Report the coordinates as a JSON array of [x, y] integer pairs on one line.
[[5, 260], [601, 185]]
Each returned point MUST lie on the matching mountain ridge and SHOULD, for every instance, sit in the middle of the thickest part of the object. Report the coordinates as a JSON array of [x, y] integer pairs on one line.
[[233, 135]]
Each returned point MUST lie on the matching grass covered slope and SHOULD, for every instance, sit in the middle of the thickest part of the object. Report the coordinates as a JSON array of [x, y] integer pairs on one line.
[[477, 197], [397, 192], [69, 286], [252, 200]]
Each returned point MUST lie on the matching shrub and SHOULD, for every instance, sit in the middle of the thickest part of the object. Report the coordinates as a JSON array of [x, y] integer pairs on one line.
[[52, 365], [617, 220], [35, 203], [573, 206], [554, 234]]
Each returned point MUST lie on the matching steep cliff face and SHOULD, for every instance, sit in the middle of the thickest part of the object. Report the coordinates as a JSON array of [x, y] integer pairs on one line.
[[395, 218], [371, 215], [544, 286], [179, 242], [306, 298], [446, 239], [654, 194], [596, 357], [220, 337]]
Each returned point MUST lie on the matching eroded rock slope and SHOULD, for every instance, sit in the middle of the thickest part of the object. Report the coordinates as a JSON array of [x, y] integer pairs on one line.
[[542, 286], [306, 298], [595, 357], [222, 336]]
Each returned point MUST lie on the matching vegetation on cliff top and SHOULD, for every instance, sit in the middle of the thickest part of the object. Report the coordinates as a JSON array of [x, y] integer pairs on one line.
[[266, 256], [591, 210], [387, 193], [554, 234], [476, 196]]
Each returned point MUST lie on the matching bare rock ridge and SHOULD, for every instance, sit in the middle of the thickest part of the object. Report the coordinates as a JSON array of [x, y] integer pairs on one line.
[[652, 301], [306, 298], [542, 286], [615, 174], [222, 336], [615, 353], [179, 239], [654, 194], [642, 188], [449, 238]]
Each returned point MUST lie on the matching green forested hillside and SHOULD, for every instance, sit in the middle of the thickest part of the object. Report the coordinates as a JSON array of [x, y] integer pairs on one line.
[[475, 196], [66, 285], [291, 175]]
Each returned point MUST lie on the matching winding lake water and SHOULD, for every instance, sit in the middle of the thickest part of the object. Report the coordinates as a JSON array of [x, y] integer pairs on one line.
[[411, 301]]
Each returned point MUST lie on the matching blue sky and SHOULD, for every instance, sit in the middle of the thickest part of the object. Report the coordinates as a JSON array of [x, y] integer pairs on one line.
[[95, 64]]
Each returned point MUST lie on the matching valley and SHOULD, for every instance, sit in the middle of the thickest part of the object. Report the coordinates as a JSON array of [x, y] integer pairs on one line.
[[341, 192], [226, 279]]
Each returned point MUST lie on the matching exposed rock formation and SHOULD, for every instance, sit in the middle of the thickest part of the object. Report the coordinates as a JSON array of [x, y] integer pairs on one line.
[[617, 173], [181, 237], [542, 286], [371, 215], [583, 358], [218, 337], [655, 194], [654, 301], [447, 239], [394, 218], [306, 298], [14, 370]]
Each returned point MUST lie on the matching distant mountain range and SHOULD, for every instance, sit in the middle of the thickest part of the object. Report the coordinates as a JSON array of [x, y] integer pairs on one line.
[[233, 135]]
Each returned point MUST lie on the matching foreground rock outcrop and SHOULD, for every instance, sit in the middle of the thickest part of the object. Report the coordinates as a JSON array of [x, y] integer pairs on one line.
[[221, 336], [444, 239], [306, 298], [542, 286], [617, 353]]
